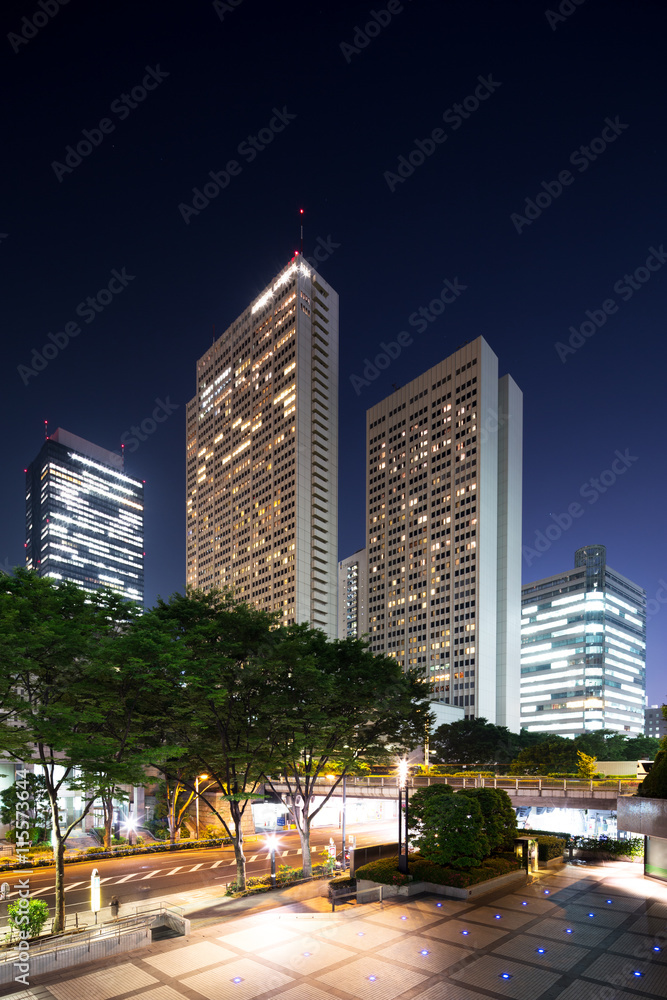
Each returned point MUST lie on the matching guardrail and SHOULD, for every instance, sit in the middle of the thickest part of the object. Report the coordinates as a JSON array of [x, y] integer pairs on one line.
[[620, 786]]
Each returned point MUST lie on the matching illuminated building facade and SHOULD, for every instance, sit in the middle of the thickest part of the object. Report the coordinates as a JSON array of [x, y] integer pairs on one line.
[[352, 596], [85, 517], [655, 724], [444, 532], [262, 454], [583, 650]]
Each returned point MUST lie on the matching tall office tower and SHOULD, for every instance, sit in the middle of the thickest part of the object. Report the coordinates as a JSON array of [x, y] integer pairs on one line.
[[583, 643], [444, 531], [262, 453], [352, 595], [655, 724], [85, 517]]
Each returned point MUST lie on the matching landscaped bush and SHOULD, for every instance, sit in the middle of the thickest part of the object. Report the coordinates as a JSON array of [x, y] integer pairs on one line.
[[342, 885], [37, 913], [448, 828], [498, 813], [632, 848], [550, 847], [654, 784], [420, 869], [544, 833]]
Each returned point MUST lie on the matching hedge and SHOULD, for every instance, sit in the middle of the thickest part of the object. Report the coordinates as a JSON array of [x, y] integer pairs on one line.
[[550, 847], [420, 869]]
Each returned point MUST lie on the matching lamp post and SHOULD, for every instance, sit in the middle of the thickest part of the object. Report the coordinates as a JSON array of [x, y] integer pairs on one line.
[[272, 843], [203, 777], [343, 821], [402, 841]]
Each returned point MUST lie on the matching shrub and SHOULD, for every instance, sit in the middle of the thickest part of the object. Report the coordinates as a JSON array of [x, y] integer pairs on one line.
[[421, 869], [654, 784], [37, 914], [498, 813], [632, 848], [550, 847], [448, 828]]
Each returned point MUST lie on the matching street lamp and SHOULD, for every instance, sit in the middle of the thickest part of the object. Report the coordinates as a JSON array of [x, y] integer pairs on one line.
[[402, 842], [272, 843], [203, 777]]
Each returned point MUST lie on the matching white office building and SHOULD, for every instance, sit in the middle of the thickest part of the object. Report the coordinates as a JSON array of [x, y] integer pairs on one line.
[[583, 650], [262, 453], [444, 468]]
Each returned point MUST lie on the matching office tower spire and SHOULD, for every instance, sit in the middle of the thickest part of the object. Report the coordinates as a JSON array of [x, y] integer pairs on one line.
[[262, 453]]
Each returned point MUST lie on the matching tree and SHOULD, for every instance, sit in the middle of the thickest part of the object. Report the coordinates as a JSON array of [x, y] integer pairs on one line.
[[474, 743], [56, 693], [333, 702], [586, 768], [447, 829], [499, 816], [654, 784], [557, 754], [212, 703], [35, 808]]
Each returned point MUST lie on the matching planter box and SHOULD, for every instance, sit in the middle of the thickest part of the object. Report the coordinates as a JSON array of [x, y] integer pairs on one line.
[[448, 891]]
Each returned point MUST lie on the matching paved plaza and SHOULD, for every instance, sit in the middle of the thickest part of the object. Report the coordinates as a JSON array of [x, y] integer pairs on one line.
[[573, 933]]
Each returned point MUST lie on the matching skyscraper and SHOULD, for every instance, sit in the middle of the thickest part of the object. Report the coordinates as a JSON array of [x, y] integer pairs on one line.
[[85, 517], [262, 453], [352, 595], [444, 531], [583, 650]]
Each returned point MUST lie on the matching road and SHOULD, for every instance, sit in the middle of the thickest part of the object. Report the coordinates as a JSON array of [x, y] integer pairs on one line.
[[144, 877]]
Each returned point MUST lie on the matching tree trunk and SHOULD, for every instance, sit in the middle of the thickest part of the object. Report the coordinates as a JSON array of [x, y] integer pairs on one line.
[[239, 857], [107, 806], [59, 905], [304, 837]]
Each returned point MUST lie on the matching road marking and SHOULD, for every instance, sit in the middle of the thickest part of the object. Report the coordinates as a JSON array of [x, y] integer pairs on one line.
[[174, 870], [107, 879], [284, 854], [254, 857], [73, 885], [197, 866], [126, 878], [299, 851], [150, 874], [224, 861]]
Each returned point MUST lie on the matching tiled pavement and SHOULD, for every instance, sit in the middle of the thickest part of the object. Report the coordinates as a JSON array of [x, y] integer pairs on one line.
[[572, 934]]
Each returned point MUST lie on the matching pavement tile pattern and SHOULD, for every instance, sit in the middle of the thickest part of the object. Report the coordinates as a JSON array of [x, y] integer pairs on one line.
[[411, 949]]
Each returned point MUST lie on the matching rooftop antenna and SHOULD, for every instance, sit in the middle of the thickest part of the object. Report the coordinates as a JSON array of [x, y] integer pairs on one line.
[[46, 430], [213, 341], [122, 457], [301, 214]]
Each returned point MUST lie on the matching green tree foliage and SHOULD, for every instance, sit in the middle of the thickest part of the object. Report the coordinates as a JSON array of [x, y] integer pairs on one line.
[[28, 919], [57, 692], [654, 785], [35, 808], [212, 703], [499, 816], [332, 702], [554, 755], [473, 743], [586, 766], [447, 828]]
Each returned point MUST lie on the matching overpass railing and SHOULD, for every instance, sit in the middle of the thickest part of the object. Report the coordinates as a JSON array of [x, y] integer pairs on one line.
[[509, 784]]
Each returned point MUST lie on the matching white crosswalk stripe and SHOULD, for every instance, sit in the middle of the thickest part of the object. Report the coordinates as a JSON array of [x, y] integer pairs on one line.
[[216, 864], [126, 878], [150, 874], [197, 867], [254, 857], [73, 885], [174, 870]]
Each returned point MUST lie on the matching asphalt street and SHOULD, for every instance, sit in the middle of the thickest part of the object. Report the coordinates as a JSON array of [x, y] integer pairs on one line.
[[144, 877]]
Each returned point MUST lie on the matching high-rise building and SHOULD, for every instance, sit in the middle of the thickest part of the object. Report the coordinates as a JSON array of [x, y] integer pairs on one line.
[[655, 724], [85, 517], [444, 531], [583, 650], [352, 595], [262, 453]]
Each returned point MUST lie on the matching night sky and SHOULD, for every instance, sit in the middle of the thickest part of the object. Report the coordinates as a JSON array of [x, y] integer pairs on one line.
[[336, 108]]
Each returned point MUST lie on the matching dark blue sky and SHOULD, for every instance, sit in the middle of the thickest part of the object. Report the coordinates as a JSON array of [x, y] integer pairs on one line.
[[360, 102]]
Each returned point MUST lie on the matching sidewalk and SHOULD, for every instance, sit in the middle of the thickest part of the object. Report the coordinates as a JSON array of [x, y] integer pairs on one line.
[[573, 933]]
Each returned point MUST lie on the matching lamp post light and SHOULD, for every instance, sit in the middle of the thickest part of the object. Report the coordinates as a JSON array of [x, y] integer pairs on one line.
[[272, 843], [203, 777], [402, 840]]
